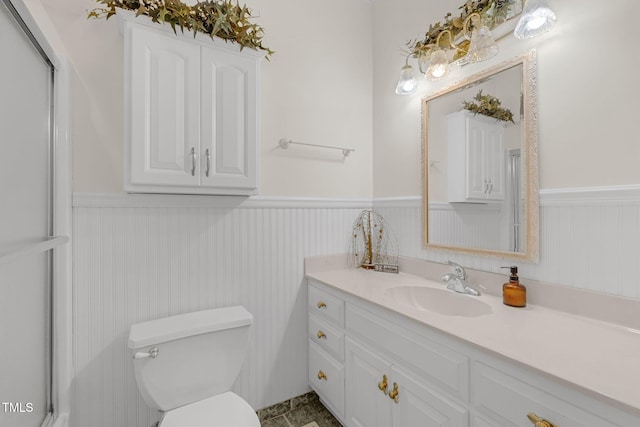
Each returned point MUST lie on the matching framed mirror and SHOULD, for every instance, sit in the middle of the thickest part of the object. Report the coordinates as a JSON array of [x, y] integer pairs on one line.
[[480, 163]]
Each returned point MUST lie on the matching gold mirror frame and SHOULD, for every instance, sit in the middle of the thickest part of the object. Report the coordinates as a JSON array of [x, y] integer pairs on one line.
[[530, 167]]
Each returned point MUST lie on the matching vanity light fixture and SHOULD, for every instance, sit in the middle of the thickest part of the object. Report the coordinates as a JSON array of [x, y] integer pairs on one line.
[[537, 18], [435, 64], [469, 37], [407, 84]]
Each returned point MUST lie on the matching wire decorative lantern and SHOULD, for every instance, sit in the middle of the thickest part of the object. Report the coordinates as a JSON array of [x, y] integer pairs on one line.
[[371, 243]]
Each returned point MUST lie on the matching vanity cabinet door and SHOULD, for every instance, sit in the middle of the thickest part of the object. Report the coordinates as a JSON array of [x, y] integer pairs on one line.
[[367, 405], [419, 406], [505, 397]]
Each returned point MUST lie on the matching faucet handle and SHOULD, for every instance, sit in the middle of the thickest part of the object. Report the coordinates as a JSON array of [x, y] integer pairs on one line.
[[459, 270]]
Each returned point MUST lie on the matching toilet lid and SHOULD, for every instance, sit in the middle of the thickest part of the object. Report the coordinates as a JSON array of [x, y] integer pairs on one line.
[[223, 410]]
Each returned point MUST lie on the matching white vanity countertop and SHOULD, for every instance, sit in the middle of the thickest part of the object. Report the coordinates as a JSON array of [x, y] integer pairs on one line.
[[601, 358]]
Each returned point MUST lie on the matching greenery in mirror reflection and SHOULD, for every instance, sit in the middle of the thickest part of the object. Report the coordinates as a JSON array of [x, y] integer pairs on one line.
[[489, 106]]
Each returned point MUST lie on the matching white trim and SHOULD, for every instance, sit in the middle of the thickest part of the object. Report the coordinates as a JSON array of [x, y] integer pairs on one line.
[[464, 207], [625, 194], [612, 195], [397, 202], [123, 200], [62, 297]]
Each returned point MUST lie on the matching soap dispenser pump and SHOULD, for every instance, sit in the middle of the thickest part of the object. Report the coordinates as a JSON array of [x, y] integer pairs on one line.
[[513, 292]]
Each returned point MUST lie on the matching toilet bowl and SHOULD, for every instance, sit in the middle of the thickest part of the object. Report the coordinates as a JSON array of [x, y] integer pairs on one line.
[[186, 365]]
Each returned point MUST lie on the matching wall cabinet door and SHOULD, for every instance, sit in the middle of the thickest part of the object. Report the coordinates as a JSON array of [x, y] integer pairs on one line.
[[164, 116], [476, 158], [229, 122]]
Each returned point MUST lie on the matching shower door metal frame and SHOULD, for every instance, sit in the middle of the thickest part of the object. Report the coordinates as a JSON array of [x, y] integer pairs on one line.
[[57, 245]]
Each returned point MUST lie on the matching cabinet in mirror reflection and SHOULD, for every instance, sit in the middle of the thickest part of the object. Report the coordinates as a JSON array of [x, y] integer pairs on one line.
[[481, 172]]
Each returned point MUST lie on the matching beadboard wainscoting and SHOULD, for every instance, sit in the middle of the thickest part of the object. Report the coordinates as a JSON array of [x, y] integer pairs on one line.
[[468, 224], [141, 257], [589, 238]]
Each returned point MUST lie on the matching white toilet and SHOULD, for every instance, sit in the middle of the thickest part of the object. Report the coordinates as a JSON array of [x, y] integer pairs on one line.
[[185, 366]]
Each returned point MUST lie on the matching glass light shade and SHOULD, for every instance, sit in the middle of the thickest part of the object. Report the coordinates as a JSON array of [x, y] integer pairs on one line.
[[482, 45], [407, 84], [438, 65], [536, 19]]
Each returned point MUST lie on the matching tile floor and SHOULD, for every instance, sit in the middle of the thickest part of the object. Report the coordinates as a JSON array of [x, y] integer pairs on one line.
[[301, 411]]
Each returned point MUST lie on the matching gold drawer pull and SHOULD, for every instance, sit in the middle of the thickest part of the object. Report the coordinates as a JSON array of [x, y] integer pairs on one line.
[[321, 304], [322, 376], [393, 394], [539, 422], [382, 385], [321, 335]]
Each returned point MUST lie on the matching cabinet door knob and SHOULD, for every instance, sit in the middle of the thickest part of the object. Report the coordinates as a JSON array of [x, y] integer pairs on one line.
[[321, 335], [393, 394], [537, 421], [382, 385], [322, 375], [321, 304], [193, 161], [207, 153]]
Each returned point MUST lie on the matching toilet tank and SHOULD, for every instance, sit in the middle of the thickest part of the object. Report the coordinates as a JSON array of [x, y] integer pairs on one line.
[[199, 355]]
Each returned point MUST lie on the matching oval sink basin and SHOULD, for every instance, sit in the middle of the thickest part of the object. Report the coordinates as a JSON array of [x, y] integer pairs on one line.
[[442, 301]]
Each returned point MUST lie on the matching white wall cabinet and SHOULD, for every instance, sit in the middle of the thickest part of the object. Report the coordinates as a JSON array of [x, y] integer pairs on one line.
[[476, 158], [395, 372], [191, 113]]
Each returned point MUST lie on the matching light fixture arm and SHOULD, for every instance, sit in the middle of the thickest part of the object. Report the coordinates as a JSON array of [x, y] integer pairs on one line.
[[467, 20]]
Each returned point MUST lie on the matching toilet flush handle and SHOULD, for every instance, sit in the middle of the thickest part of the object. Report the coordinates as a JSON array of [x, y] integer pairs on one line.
[[152, 353]]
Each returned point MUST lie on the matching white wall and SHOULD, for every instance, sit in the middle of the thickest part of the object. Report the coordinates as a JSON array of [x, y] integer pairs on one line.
[[587, 90], [316, 89]]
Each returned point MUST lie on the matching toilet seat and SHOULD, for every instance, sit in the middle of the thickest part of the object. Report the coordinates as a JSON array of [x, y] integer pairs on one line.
[[223, 410]]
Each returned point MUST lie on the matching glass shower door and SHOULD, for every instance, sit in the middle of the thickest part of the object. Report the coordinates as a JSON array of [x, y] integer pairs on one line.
[[26, 78]]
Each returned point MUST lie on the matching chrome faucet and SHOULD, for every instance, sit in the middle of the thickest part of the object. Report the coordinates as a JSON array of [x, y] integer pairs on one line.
[[456, 281]]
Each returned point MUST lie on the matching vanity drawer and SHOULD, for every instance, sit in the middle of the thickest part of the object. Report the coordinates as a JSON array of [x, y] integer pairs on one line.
[[446, 369], [329, 338], [326, 305], [506, 399], [326, 377]]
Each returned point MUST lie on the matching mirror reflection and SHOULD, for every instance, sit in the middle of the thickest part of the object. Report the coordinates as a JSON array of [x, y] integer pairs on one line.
[[480, 165]]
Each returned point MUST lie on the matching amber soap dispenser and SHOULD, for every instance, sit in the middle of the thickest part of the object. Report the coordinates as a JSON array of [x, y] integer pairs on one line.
[[513, 292]]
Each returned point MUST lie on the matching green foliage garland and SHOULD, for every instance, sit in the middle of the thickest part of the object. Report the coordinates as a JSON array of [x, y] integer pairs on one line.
[[490, 106], [220, 18], [490, 10]]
